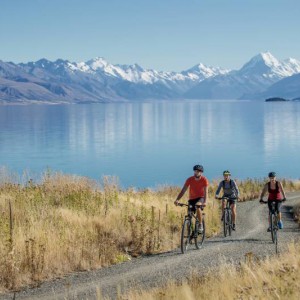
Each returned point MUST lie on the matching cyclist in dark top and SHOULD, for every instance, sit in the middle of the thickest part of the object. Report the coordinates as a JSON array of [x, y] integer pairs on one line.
[[276, 193], [231, 191]]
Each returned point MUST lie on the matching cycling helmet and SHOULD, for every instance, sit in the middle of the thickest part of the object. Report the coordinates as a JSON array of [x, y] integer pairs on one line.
[[226, 172], [272, 174], [198, 168]]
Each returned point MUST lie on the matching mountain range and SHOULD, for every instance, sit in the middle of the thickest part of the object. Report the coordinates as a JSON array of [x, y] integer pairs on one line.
[[97, 80]]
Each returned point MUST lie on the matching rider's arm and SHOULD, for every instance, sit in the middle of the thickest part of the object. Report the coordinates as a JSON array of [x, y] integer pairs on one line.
[[180, 195], [264, 191], [219, 189], [205, 193], [281, 189], [235, 187]]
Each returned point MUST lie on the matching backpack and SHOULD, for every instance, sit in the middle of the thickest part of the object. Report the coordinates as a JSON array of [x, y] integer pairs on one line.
[[230, 182]]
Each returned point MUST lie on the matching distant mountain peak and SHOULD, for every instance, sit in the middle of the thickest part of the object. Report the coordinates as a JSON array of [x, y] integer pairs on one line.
[[269, 59], [203, 71], [265, 58], [97, 63], [42, 61]]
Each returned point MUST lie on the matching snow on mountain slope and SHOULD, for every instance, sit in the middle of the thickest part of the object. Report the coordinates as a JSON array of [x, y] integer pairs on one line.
[[255, 76], [97, 80], [266, 65]]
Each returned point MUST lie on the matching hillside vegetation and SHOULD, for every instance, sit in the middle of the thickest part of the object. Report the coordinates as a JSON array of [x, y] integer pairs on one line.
[[63, 223], [277, 277]]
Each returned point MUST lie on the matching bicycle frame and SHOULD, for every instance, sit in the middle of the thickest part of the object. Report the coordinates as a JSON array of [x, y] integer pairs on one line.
[[273, 215], [190, 232], [227, 216]]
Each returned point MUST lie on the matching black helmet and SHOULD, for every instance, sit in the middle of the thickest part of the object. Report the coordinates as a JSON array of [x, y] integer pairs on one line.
[[198, 168], [272, 174], [226, 172]]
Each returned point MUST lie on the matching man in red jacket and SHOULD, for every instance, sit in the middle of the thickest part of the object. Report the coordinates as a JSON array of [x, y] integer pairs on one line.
[[198, 191]]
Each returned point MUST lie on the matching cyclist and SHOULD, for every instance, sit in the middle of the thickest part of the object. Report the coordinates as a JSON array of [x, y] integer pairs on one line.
[[276, 193], [231, 191], [198, 192]]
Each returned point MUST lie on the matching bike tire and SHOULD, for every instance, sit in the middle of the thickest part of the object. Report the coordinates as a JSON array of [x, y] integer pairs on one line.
[[229, 224], [224, 222], [276, 233], [185, 236], [276, 240], [199, 239], [272, 221]]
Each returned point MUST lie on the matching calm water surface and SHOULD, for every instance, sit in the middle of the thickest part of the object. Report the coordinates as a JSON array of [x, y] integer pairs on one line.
[[151, 143]]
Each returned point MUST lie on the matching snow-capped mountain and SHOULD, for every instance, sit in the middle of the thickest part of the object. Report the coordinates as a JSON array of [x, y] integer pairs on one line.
[[268, 66], [254, 77], [97, 80], [201, 72]]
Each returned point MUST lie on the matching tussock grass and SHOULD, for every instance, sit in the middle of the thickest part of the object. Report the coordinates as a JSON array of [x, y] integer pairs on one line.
[[61, 223], [66, 223], [273, 278]]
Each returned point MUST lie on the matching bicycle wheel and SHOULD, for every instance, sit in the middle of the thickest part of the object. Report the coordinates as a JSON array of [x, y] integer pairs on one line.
[[275, 234], [229, 224], [273, 226], [225, 222], [276, 240], [185, 235], [200, 237]]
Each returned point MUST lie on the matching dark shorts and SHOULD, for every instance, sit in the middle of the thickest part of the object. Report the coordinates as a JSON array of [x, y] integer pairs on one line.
[[232, 200], [193, 202], [277, 205]]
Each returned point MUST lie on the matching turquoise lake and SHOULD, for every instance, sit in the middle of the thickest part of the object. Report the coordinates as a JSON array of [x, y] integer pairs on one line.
[[146, 144]]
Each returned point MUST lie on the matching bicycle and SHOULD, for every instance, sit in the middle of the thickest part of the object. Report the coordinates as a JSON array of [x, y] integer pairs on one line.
[[190, 231], [227, 217], [274, 219]]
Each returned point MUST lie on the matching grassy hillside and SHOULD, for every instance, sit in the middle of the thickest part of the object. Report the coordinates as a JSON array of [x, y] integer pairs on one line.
[[66, 223]]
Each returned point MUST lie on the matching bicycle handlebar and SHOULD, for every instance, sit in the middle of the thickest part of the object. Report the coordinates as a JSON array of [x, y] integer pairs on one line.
[[197, 205], [265, 202], [224, 198]]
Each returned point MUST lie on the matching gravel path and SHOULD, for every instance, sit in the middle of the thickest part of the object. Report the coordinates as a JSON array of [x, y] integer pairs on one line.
[[151, 271]]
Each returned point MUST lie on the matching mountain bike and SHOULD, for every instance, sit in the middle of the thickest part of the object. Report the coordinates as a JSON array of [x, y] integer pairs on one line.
[[274, 219], [190, 230], [227, 217]]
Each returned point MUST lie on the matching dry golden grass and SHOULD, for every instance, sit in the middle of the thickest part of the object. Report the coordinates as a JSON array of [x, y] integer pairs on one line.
[[63, 223], [67, 223], [275, 278]]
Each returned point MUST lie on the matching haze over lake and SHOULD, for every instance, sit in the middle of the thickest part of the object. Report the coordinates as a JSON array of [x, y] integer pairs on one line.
[[151, 143]]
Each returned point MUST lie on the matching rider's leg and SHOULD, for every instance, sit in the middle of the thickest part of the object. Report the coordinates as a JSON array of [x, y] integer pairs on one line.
[[280, 224], [278, 205], [269, 219], [223, 207], [199, 215], [233, 209]]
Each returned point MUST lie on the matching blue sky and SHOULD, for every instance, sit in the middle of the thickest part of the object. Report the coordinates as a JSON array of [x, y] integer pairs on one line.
[[163, 34]]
